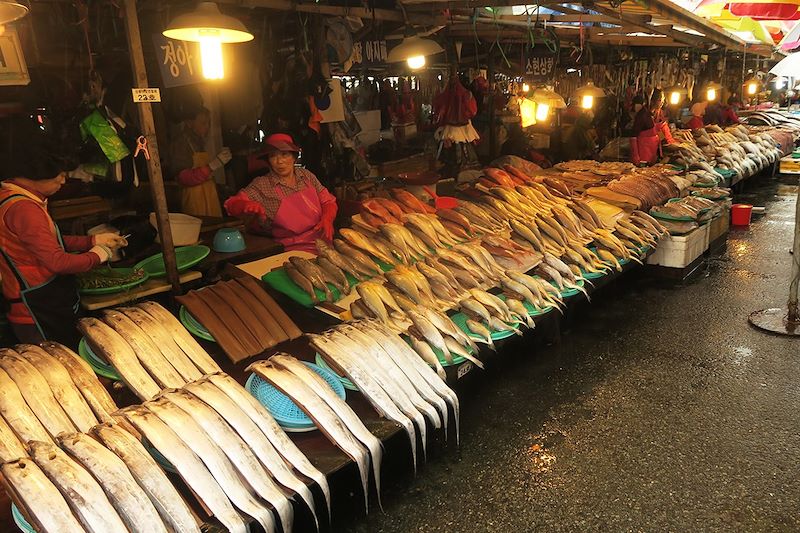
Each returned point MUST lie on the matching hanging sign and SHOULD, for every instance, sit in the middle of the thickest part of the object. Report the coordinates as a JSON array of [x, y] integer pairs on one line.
[[178, 61], [150, 94], [540, 63], [369, 53]]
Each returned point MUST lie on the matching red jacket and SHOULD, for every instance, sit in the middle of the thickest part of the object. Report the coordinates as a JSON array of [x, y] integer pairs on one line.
[[29, 238], [695, 123]]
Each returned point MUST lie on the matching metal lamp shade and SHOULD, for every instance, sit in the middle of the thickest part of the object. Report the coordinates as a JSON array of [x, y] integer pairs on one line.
[[207, 22], [413, 47], [11, 11], [590, 89], [546, 96]]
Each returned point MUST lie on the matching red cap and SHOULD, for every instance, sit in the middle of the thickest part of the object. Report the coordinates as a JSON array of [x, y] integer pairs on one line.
[[280, 142]]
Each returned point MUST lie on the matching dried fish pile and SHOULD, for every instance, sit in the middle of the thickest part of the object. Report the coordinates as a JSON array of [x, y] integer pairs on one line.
[[393, 378], [148, 347], [329, 412], [241, 317], [59, 477], [45, 391]]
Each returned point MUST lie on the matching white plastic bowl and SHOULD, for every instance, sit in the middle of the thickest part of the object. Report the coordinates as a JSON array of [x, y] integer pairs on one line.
[[185, 228]]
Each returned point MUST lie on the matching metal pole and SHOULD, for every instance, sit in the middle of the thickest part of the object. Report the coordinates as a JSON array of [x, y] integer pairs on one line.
[[149, 131], [794, 285], [492, 132]]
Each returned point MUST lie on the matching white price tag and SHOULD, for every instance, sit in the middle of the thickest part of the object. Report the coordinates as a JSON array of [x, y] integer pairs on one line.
[[464, 369], [150, 94]]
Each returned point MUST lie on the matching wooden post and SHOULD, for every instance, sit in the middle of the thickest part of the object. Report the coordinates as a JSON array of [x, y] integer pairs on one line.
[[149, 131], [491, 103]]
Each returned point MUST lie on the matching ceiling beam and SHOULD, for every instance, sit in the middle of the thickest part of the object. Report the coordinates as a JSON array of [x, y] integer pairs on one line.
[[692, 40], [390, 15]]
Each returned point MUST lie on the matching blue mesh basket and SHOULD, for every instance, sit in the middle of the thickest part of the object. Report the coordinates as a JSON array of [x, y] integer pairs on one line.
[[282, 408], [22, 524]]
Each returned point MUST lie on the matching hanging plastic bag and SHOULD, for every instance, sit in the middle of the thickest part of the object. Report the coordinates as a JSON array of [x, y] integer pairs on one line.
[[98, 127]]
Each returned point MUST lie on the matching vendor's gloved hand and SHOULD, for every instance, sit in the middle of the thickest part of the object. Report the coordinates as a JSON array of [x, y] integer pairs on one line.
[[103, 252], [221, 160], [325, 225], [242, 205], [112, 241]]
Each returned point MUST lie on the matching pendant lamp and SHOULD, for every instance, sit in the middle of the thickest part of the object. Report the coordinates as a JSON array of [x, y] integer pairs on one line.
[[751, 87], [676, 95], [11, 11], [209, 27], [588, 93], [546, 100], [712, 91], [414, 50]]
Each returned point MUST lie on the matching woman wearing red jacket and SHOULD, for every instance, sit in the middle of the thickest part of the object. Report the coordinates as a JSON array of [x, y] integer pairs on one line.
[[36, 266], [288, 202]]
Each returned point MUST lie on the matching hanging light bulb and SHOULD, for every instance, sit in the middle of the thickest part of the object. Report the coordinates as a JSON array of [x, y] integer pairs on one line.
[[526, 88], [542, 110], [712, 91], [413, 50], [676, 95], [416, 62], [588, 93], [752, 86], [211, 59], [544, 95], [209, 27]]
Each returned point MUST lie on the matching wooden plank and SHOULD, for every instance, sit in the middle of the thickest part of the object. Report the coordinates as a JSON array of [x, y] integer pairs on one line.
[[148, 288], [148, 127], [360, 12]]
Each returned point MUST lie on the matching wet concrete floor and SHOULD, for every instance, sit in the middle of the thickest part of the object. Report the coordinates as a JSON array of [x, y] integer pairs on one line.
[[661, 410]]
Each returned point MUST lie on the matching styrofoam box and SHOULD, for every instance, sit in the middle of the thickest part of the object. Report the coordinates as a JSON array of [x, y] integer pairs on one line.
[[678, 251], [368, 120]]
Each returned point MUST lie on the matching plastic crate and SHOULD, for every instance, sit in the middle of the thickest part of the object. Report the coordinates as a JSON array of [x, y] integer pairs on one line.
[[679, 251]]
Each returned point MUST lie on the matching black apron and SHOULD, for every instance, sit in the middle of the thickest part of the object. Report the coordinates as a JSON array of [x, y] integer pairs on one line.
[[55, 305]]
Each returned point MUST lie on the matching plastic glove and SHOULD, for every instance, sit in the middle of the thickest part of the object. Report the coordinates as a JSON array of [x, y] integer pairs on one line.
[[325, 225], [103, 252], [241, 205], [221, 159], [113, 241]]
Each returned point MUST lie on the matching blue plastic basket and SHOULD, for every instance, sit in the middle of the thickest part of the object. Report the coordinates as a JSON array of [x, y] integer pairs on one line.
[[290, 417], [22, 524]]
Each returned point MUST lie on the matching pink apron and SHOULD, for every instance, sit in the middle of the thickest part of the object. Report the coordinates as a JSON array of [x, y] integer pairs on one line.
[[293, 225], [648, 146]]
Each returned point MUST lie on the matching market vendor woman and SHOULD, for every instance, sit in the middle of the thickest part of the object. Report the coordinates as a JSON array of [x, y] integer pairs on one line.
[[194, 166], [35, 260], [288, 201]]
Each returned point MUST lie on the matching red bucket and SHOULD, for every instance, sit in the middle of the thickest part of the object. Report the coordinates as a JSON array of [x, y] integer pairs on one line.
[[740, 214]]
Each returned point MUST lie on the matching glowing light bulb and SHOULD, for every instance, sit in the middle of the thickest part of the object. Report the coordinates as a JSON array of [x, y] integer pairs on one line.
[[541, 111], [211, 58], [711, 95], [587, 101], [752, 88], [416, 62], [526, 87], [675, 98]]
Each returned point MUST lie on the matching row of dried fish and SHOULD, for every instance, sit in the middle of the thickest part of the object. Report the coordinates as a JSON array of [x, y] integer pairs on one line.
[[393, 378], [149, 348], [243, 319], [228, 450]]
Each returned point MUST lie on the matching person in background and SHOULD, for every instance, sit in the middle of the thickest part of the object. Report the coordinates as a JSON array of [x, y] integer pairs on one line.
[[729, 116], [36, 262], [698, 109], [194, 167], [713, 114], [647, 124], [288, 202]]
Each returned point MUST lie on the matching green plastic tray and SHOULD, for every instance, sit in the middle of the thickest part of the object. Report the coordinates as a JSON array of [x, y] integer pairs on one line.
[[99, 365], [185, 256], [279, 280], [118, 288], [193, 325]]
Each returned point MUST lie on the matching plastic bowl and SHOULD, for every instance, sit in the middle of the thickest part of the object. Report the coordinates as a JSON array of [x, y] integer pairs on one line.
[[228, 240]]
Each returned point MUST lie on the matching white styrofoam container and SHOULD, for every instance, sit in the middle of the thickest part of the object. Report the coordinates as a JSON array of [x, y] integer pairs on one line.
[[678, 251], [185, 228]]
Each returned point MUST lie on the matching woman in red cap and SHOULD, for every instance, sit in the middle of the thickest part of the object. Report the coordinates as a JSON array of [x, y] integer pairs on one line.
[[288, 201]]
